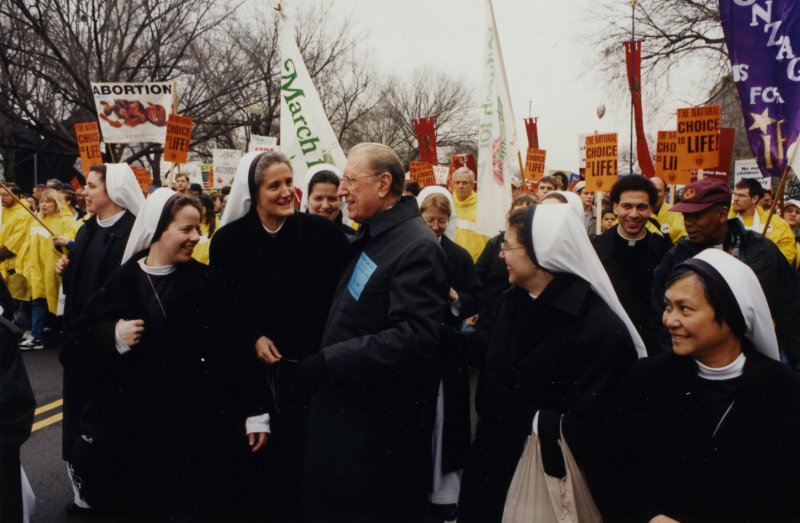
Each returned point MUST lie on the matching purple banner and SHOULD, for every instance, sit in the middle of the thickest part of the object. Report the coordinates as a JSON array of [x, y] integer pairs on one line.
[[763, 39]]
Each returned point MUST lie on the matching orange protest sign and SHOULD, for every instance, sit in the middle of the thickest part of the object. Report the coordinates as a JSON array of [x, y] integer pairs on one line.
[[601, 161], [698, 137], [142, 176], [88, 137], [179, 131], [667, 159], [534, 166], [422, 173]]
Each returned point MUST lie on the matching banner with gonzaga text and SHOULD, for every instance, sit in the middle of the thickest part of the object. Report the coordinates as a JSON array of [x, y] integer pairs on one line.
[[307, 137], [763, 39], [133, 112], [498, 150]]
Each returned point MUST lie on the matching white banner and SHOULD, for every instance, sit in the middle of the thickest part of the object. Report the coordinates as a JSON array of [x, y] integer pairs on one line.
[[307, 137], [225, 163], [498, 151], [133, 112], [749, 169], [264, 144], [582, 150]]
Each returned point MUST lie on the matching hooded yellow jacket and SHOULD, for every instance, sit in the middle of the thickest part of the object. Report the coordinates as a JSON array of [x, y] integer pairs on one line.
[[14, 227], [38, 257], [779, 231], [467, 217]]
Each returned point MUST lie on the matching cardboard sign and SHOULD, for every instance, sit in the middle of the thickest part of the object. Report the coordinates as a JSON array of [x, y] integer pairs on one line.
[[422, 173], [134, 112], [179, 132], [442, 173], [667, 159], [749, 169], [698, 137], [721, 171], [225, 163], [264, 144], [142, 176], [601, 161], [87, 135], [534, 165]]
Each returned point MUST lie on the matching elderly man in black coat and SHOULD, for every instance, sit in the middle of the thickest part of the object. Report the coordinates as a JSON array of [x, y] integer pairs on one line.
[[372, 385]]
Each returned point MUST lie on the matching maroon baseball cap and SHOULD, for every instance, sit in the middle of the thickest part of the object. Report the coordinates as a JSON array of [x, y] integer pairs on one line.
[[702, 194]]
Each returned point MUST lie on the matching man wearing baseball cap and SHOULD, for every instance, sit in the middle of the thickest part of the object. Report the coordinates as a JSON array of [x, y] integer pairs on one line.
[[705, 205]]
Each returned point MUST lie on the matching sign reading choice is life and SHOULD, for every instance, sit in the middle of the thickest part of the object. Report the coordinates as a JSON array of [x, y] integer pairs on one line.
[[601, 161], [698, 137]]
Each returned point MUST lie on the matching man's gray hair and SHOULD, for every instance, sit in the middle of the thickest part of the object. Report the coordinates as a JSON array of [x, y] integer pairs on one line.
[[465, 170], [382, 158]]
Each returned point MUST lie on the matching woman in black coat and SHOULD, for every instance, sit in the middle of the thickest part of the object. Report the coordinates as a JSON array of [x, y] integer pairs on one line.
[[156, 430], [277, 270], [452, 427], [560, 344], [709, 432]]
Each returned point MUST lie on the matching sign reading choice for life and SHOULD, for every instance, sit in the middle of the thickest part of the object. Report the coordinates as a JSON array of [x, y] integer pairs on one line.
[[88, 137], [422, 173], [534, 167], [179, 132], [601, 161], [667, 159], [698, 137]]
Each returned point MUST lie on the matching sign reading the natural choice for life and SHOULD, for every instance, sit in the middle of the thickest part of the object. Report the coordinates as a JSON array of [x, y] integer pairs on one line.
[[534, 164], [698, 137], [179, 131], [667, 159], [133, 112], [601, 161], [422, 173], [88, 145]]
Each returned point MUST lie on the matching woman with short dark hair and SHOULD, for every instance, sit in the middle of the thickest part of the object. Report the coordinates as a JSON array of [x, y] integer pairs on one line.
[[323, 199]]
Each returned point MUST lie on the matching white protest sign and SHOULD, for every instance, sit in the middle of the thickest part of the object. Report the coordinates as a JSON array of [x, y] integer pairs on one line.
[[265, 144], [225, 163], [133, 112], [749, 169]]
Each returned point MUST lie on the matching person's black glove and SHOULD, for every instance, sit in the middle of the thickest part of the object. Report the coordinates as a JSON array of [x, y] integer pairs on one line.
[[310, 375], [549, 434]]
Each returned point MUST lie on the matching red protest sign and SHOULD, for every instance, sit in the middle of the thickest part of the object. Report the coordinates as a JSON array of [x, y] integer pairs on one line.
[[722, 170], [179, 132], [88, 137], [426, 138], [534, 167], [142, 176], [422, 173]]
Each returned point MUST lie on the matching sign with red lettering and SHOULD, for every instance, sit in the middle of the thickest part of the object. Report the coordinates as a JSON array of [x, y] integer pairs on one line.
[[667, 159], [88, 137], [534, 167], [422, 173], [601, 161], [179, 132], [142, 176], [698, 137], [721, 171]]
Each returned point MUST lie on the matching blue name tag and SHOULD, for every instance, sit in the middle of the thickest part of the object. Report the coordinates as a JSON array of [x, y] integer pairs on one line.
[[364, 269]]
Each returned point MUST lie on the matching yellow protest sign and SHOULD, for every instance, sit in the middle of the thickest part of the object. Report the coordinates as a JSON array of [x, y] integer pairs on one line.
[[88, 137], [601, 161], [179, 131], [698, 137], [667, 159]]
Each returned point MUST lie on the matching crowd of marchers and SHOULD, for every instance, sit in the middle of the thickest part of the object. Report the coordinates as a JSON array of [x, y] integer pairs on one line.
[[233, 358]]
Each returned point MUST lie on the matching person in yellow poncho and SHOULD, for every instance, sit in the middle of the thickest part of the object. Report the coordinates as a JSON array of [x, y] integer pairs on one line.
[[791, 215], [669, 224], [466, 203], [14, 226], [209, 223], [37, 262], [746, 196]]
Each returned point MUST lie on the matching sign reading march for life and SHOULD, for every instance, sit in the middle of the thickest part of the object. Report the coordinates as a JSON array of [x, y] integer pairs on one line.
[[766, 68], [361, 274]]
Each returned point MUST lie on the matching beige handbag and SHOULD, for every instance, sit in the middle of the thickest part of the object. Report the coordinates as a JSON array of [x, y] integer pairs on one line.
[[535, 497]]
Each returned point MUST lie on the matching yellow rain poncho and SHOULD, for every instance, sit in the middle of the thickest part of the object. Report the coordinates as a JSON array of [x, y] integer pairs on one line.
[[200, 252], [38, 257], [779, 231], [467, 235], [14, 227]]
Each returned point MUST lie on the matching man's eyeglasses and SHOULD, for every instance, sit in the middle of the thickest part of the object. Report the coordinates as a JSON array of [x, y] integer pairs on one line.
[[349, 181]]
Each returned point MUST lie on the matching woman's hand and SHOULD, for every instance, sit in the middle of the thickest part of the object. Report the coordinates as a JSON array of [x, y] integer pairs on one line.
[[453, 295], [267, 351], [60, 241], [257, 440], [61, 265], [130, 331]]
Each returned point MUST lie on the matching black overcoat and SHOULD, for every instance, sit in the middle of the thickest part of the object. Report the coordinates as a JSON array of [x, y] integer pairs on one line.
[[661, 457], [561, 354], [369, 451]]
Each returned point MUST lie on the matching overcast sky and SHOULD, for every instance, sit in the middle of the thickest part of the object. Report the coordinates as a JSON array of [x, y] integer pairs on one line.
[[548, 52]]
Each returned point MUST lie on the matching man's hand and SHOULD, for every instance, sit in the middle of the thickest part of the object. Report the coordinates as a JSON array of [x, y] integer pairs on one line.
[[256, 440], [130, 331], [60, 241], [267, 351], [61, 265], [453, 295]]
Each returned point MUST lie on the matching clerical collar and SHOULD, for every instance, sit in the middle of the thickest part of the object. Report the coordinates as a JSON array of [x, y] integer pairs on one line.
[[276, 231], [732, 370], [533, 296], [155, 271], [631, 243], [108, 222]]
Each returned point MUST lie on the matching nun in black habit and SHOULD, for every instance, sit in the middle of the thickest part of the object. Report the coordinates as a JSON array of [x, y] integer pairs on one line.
[[560, 344], [708, 433], [157, 433], [114, 198], [277, 270]]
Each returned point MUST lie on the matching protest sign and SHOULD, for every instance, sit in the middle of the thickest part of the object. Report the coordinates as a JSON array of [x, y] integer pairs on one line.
[[534, 167], [179, 132], [422, 173], [698, 137], [425, 129], [749, 169], [720, 171], [88, 139], [582, 151], [442, 173], [667, 159], [532, 130], [133, 112], [225, 163], [601, 161], [265, 144], [142, 176], [633, 60]]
